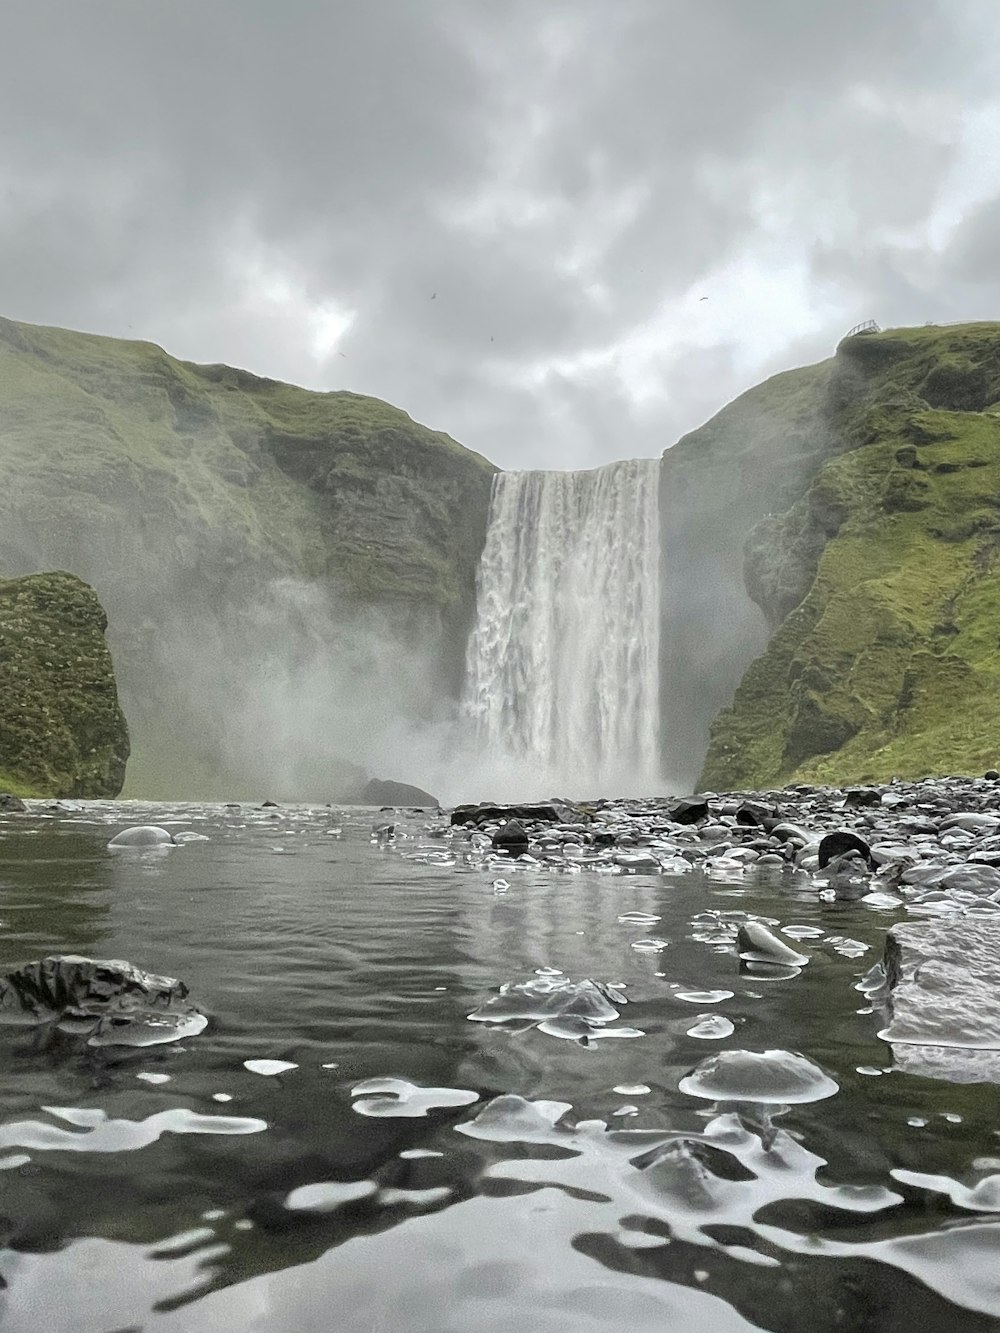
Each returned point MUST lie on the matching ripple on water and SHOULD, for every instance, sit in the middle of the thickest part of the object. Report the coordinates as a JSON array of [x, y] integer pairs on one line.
[[101, 1134], [773, 1077], [397, 1097], [269, 1068], [712, 1027], [325, 1196]]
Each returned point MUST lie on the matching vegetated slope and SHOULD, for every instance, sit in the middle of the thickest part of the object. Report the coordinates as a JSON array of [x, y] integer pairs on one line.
[[62, 732], [881, 581], [183, 492], [755, 457]]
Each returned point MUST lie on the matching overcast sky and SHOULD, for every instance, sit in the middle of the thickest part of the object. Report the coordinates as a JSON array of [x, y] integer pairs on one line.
[[564, 231]]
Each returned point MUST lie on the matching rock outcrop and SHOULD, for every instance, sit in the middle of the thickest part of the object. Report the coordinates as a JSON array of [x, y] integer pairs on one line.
[[62, 732], [750, 462], [108, 1002], [878, 580]]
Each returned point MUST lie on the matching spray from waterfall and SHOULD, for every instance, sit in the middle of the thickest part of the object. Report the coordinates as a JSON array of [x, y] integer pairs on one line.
[[562, 671]]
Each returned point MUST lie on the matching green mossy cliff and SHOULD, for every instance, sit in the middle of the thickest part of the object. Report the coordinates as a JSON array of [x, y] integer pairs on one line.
[[192, 498], [62, 732], [880, 581], [755, 457]]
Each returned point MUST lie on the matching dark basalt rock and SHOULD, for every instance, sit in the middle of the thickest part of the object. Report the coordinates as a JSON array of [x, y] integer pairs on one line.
[[862, 796], [511, 838], [688, 810], [547, 812], [11, 805], [108, 1001], [390, 793], [841, 843], [753, 814]]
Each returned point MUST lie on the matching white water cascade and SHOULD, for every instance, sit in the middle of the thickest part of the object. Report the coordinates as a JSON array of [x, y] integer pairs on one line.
[[562, 671]]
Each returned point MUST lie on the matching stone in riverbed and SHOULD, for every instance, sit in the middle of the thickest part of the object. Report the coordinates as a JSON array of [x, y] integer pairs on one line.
[[756, 944], [755, 814], [108, 1001], [511, 838], [11, 805], [842, 843], [143, 835], [687, 810], [943, 981]]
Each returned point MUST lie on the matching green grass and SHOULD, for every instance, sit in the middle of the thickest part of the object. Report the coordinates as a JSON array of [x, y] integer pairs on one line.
[[97, 429], [890, 665]]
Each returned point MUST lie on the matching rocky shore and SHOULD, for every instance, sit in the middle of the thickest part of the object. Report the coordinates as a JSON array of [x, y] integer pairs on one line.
[[930, 849], [934, 843]]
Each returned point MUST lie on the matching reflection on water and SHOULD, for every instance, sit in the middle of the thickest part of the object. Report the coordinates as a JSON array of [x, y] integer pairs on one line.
[[377, 1129]]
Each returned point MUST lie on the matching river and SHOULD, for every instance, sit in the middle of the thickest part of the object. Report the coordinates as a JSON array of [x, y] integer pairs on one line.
[[494, 1176]]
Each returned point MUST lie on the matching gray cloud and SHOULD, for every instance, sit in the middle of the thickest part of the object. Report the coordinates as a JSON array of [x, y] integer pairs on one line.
[[517, 206]]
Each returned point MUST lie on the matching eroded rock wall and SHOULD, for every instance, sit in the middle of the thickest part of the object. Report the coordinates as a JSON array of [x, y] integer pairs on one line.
[[879, 581], [62, 732]]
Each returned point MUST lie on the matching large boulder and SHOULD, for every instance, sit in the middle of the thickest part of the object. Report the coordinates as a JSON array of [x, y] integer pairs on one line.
[[943, 980], [62, 732], [108, 1001]]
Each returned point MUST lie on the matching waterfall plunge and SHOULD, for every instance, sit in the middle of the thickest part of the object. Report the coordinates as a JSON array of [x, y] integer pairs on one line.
[[562, 672]]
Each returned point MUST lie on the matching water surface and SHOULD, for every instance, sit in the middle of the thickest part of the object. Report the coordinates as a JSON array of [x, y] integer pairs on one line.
[[331, 1153]]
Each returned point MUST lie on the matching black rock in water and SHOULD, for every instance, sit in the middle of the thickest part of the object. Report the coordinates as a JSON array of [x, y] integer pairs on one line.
[[841, 843], [11, 805], [511, 838], [396, 793], [109, 1001]]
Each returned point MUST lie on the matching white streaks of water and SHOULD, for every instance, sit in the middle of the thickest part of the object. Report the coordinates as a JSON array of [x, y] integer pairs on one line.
[[562, 670]]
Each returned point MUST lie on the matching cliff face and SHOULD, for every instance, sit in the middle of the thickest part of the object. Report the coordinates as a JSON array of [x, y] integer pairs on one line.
[[258, 548], [879, 581], [753, 459], [62, 732]]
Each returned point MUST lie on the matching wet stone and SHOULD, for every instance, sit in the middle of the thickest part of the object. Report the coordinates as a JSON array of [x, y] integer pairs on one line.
[[107, 1001], [943, 980]]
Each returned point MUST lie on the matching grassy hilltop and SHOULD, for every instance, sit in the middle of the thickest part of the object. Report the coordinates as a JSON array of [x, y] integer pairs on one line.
[[187, 494], [879, 581], [99, 430]]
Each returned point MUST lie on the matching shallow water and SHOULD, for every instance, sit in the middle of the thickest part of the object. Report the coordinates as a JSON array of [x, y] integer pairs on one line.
[[344, 1147]]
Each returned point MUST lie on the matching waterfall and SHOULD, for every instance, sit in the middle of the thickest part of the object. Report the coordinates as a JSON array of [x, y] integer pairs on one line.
[[562, 670]]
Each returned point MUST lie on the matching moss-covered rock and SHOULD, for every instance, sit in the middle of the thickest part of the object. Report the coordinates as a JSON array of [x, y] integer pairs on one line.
[[889, 662], [62, 732]]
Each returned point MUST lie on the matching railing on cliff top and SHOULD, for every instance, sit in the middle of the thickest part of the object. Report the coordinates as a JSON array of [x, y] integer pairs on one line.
[[868, 326]]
